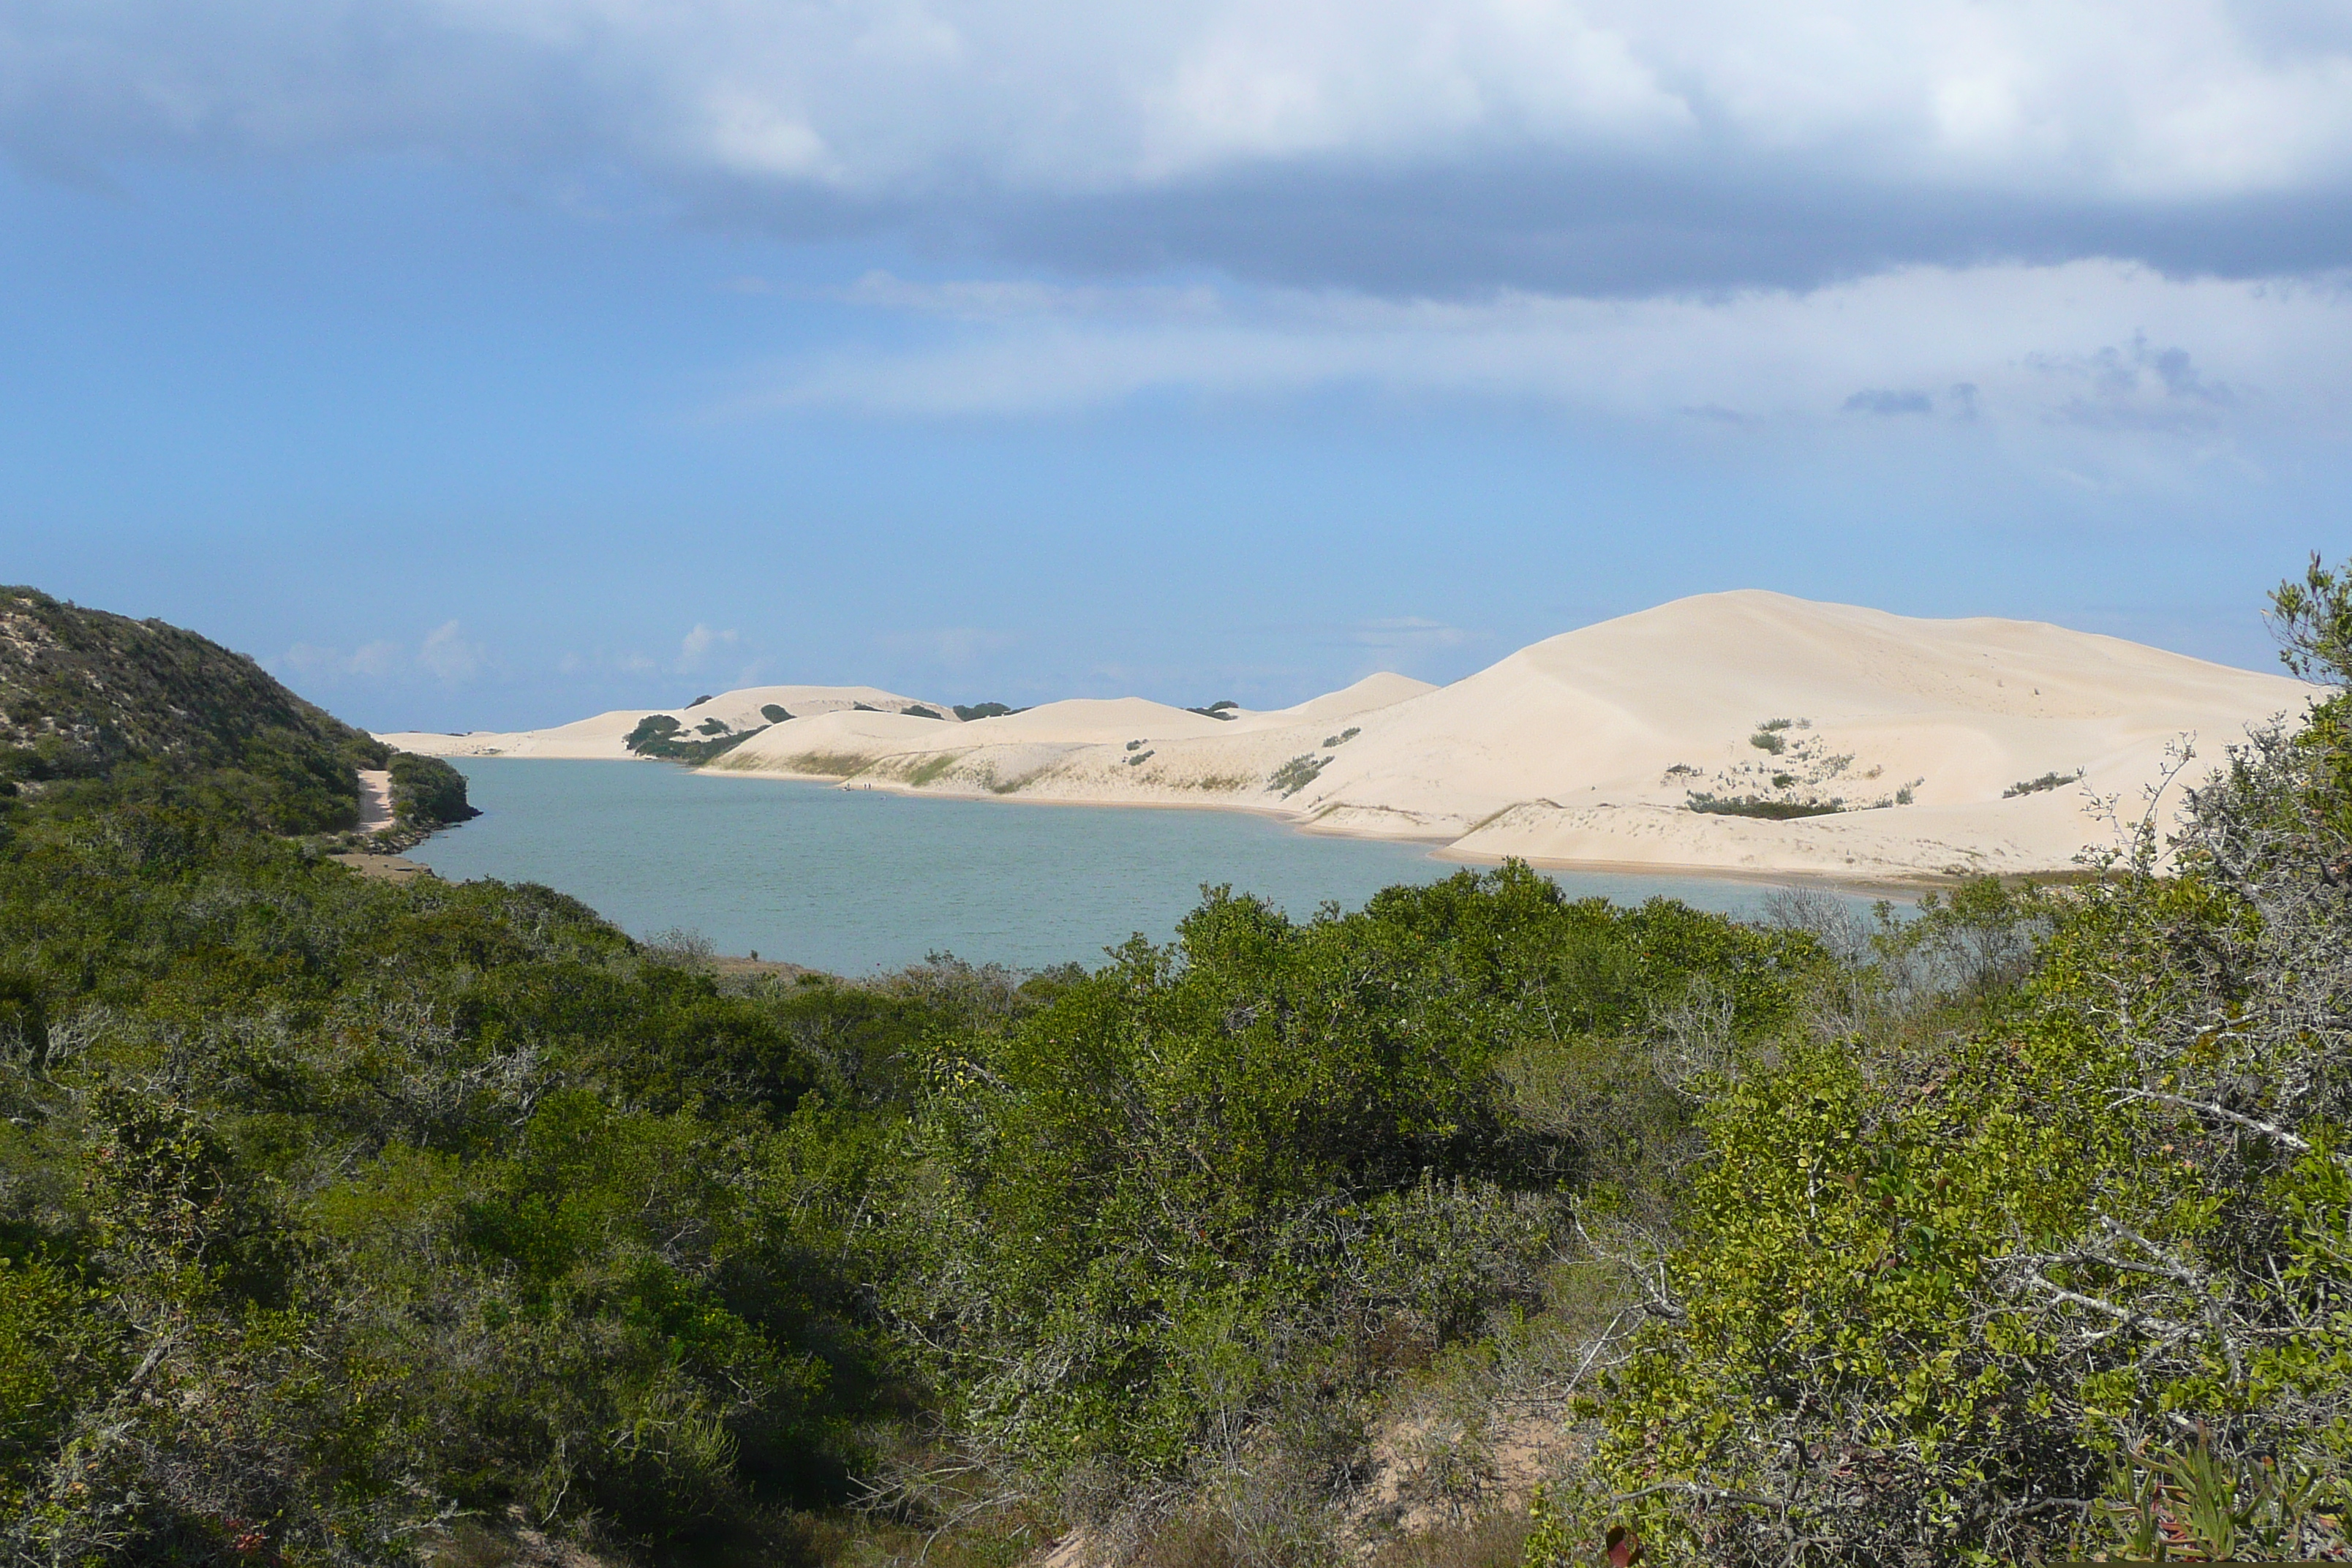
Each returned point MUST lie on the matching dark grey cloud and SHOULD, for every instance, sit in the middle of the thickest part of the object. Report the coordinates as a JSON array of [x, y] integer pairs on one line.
[[1436, 147]]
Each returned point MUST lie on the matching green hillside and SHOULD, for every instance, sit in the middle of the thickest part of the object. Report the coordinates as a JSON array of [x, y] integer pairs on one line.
[[89, 696]]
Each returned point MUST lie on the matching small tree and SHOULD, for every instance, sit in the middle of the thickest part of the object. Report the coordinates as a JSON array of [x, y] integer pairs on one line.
[[2312, 623]]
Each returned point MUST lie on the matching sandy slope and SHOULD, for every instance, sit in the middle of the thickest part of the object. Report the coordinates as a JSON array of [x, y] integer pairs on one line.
[[600, 736], [1590, 747]]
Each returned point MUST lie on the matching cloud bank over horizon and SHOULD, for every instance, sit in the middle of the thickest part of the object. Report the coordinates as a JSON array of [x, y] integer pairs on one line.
[[1589, 148]]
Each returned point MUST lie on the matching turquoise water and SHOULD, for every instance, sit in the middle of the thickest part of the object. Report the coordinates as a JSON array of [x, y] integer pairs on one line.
[[853, 880]]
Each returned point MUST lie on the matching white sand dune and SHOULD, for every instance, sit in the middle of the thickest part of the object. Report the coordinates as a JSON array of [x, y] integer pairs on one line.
[[602, 735], [1593, 746]]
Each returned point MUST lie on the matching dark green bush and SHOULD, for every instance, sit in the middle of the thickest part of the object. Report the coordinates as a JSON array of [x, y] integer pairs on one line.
[[428, 792]]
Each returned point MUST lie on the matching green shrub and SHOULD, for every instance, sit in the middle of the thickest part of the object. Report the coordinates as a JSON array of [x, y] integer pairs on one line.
[[970, 711], [1210, 1177], [1342, 737], [2049, 781], [774, 713], [428, 792], [1297, 773], [1710, 803], [914, 712]]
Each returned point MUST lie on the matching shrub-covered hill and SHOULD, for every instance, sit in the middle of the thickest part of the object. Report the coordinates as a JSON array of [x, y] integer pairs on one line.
[[86, 696]]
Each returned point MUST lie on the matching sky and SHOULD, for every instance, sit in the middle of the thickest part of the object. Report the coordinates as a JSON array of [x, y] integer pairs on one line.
[[485, 363]]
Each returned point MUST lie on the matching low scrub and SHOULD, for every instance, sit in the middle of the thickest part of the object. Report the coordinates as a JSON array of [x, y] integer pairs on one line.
[[2048, 781], [1761, 806], [1297, 773]]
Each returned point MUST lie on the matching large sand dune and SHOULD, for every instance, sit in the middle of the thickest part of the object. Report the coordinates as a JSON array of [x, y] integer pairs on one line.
[[602, 735], [1593, 746]]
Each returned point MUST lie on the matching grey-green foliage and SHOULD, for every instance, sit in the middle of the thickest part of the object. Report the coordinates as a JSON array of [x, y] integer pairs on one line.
[[2312, 623], [1267, 1167], [774, 713], [1297, 773], [2049, 781]]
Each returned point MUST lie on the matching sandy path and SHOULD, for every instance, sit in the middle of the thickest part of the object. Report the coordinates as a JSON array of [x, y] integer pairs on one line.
[[375, 800]]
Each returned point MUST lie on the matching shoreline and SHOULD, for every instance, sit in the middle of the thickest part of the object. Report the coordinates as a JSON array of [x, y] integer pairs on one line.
[[1901, 889]]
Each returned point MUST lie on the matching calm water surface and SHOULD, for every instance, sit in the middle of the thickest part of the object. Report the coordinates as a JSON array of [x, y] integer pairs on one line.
[[852, 880]]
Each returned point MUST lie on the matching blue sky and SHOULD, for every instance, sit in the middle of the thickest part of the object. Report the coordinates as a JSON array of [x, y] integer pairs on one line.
[[478, 364]]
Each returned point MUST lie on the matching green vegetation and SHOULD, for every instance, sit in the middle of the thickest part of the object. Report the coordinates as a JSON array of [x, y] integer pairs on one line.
[[968, 713], [931, 768], [774, 713], [656, 736], [2048, 781], [1767, 741], [1342, 737], [426, 793], [1297, 773], [1140, 758], [162, 715], [342, 1220], [1759, 805], [1222, 710]]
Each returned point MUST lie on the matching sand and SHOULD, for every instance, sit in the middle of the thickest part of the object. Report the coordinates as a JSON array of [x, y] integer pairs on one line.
[[1590, 747], [602, 735], [375, 800]]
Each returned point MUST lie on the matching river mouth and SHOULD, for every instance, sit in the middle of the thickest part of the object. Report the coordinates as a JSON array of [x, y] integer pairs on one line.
[[858, 880]]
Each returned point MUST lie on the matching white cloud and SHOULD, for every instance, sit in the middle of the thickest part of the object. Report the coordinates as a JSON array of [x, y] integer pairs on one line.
[[2027, 350], [697, 644], [443, 652], [1827, 126], [1407, 634], [448, 656]]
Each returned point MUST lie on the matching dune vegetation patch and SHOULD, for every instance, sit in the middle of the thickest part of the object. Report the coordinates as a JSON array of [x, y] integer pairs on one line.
[[932, 768], [829, 764], [1297, 773], [2048, 781]]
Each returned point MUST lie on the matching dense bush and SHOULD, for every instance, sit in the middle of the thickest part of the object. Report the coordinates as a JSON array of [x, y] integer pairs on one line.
[[426, 792], [1273, 1159], [2068, 1277]]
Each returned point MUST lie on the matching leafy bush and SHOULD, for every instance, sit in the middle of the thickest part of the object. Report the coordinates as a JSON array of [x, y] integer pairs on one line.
[[1343, 737], [774, 713], [1273, 1158], [426, 792], [1767, 741], [2059, 1281], [970, 711], [914, 712], [1220, 710], [1297, 773]]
